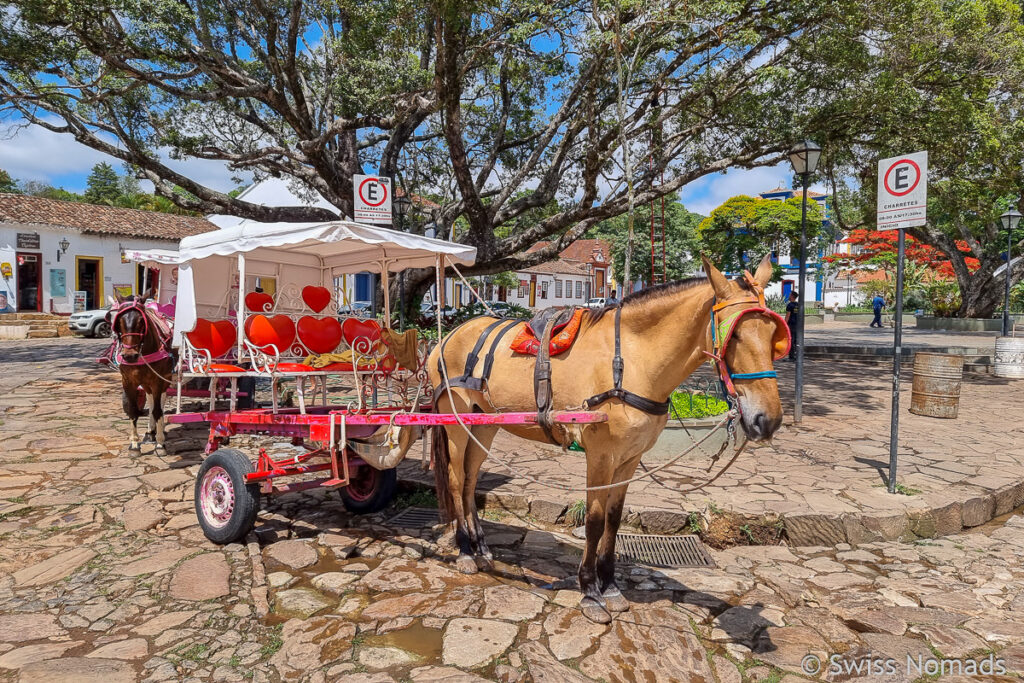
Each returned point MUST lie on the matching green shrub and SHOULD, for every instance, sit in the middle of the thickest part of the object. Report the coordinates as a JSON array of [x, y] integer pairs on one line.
[[690, 406]]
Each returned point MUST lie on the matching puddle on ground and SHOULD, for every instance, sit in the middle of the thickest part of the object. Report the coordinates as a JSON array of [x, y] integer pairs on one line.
[[415, 638], [994, 523]]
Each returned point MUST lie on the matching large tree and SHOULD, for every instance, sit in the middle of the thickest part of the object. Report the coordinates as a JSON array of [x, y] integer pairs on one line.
[[947, 77], [494, 109], [743, 229], [103, 186]]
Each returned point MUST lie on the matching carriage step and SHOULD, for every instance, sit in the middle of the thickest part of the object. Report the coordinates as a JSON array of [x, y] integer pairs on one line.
[[415, 518], [669, 552]]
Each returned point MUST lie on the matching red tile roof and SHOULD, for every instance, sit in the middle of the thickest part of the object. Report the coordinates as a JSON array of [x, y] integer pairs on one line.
[[581, 250], [559, 267], [99, 220]]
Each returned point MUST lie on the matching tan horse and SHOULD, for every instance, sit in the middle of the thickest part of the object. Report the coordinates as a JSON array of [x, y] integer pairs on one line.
[[665, 331]]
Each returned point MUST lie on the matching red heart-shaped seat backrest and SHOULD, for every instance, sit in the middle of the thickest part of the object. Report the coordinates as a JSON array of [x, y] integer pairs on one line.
[[319, 335], [259, 302], [215, 337], [362, 336], [263, 331], [316, 298]]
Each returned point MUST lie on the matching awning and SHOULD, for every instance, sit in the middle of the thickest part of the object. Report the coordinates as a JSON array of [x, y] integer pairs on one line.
[[341, 246]]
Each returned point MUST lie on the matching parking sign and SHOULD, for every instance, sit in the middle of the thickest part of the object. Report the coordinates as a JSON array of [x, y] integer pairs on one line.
[[372, 199], [902, 191]]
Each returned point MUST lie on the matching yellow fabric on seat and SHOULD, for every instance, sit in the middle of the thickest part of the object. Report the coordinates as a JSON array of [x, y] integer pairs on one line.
[[346, 356], [403, 347]]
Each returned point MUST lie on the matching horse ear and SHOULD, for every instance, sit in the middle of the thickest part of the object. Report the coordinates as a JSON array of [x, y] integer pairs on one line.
[[148, 294], [764, 271], [117, 299], [718, 281]]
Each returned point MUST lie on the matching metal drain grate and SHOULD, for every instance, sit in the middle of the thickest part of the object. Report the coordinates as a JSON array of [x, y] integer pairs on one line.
[[663, 551], [415, 518]]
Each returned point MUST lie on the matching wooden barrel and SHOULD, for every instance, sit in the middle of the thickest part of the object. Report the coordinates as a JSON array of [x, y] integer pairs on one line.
[[1009, 360], [936, 391]]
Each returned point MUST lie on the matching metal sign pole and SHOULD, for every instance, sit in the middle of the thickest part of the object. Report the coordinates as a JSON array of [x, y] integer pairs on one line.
[[897, 353]]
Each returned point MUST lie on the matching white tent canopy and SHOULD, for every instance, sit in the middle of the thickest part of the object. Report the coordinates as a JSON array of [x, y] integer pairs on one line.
[[341, 246], [210, 266]]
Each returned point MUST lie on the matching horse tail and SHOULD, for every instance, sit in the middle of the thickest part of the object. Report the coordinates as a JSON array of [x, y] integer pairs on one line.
[[440, 455]]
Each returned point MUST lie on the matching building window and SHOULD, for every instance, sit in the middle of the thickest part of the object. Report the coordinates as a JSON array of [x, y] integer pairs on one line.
[[523, 285], [558, 289], [544, 290], [579, 289]]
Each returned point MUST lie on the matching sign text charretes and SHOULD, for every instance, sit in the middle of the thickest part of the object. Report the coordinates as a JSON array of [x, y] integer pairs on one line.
[[372, 199], [902, 191]]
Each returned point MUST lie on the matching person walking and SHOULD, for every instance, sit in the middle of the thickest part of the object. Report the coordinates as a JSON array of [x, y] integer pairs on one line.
[[793, 314], [878, 303]]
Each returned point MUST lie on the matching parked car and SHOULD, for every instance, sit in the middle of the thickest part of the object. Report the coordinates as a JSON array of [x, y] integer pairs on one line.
[[596, 302], [359, 309], [91, 323]]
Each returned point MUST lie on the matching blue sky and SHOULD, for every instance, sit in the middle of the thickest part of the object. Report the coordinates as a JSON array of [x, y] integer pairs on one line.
[[34, 153]]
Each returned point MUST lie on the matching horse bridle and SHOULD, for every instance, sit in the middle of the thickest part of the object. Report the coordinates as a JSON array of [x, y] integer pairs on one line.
[[722, 330], [122, 344]]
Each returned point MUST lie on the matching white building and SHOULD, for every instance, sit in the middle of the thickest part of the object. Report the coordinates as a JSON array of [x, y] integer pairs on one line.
[[58, 256]]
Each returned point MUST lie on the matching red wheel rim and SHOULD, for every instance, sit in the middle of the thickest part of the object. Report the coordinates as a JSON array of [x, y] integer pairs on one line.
[[363, 483], [216, 497]]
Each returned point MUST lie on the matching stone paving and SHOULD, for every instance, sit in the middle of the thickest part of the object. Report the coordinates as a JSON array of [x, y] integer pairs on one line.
[[824, 478], [861, 334], [105, 576]]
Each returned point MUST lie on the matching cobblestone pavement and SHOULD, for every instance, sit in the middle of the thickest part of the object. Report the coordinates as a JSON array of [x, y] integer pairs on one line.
[[105, 576], [861, 334], [827, 476]]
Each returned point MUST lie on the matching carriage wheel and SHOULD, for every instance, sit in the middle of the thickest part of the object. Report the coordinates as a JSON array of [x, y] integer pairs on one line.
[[225, 505], [369, 489]]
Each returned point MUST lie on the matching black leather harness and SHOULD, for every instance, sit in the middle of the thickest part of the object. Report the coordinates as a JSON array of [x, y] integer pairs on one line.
[[542, 388], [628, 397]]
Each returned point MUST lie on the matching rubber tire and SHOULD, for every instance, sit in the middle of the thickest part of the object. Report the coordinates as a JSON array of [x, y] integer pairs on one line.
[[383, 493], [101, 329], [247, 497], [248, 385]]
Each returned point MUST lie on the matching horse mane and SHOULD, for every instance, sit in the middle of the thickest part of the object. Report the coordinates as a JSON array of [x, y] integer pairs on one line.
[[652, 293]]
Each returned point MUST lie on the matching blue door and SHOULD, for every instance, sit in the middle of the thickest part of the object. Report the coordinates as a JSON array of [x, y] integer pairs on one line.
[[787, 287], [364, 285]]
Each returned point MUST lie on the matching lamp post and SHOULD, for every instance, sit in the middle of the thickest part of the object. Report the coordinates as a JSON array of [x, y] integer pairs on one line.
[[1010, 220], [804, 158], [401, 205]]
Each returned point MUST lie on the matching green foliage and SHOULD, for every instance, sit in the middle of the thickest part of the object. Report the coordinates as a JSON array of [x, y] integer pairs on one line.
[[743, 229], [681, 245], [576, 514], [689, 406], [507, 279], [943, 297], [1017, 297], [103, 186], [7, 183]]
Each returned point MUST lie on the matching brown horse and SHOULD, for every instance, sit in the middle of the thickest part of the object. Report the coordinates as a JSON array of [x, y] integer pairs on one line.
[[142, 352], [666, 334]]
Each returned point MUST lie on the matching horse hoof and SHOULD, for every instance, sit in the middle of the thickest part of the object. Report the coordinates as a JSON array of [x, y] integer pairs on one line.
[[484, 564], [466, 564], [595, 612], [148, 438], [616, 602], [160, 450], [134, 450]]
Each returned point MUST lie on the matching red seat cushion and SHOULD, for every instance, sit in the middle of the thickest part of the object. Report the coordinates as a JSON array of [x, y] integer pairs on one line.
[[222, 367], [293, 367]]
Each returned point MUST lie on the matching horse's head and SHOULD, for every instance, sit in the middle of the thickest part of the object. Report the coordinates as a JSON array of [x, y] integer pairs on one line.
[[746, 337], [130, 325]]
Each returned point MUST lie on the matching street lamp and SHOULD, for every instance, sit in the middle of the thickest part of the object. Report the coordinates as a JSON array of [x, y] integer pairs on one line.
[[1010, 221], [804, 158], [401, 206]]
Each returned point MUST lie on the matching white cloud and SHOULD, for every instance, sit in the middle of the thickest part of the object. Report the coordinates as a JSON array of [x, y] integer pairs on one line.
[[35, 153]]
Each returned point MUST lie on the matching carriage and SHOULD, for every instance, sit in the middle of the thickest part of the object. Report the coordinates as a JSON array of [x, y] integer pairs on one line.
[[260, 305]]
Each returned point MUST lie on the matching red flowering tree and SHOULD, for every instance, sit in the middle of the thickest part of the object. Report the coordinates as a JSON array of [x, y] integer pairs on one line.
[[880, 247]]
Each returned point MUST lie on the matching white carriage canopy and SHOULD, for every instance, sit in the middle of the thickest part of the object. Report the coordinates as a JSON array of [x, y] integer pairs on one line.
[[208, 267]]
